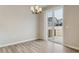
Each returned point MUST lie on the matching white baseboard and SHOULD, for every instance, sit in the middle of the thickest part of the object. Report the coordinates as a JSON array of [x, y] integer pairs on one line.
[[17, 42], [75, 48]]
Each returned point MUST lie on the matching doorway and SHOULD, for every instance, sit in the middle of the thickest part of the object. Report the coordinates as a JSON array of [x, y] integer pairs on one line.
[[55, 25]]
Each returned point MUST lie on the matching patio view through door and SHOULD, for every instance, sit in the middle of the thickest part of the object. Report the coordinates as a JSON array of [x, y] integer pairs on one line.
[[55, 25]]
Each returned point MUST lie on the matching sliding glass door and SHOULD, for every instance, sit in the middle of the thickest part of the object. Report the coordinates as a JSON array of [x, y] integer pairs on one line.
[[58, 25], [50, 28], [55, 25]]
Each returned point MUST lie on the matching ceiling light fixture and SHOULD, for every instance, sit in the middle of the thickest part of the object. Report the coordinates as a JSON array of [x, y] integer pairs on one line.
[[36, 9]]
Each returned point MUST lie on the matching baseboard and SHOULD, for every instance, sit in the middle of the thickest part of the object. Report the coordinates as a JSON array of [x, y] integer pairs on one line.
[[9, 44], [72, 47]]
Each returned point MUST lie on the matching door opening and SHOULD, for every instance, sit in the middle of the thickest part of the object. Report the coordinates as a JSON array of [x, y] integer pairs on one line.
[[55, 25]]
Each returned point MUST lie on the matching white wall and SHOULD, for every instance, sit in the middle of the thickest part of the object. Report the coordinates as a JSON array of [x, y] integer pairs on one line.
[[41, 25], [17, 23], [71, 26]]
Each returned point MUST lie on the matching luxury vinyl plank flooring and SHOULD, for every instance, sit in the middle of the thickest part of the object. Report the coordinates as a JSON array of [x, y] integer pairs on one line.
[[37, 46]]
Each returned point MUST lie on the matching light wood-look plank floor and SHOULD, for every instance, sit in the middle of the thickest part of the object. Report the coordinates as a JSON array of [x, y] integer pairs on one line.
[[37, 46]]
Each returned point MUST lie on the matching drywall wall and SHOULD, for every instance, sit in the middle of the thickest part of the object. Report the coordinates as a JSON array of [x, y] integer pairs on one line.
[[41, 25], [17, 23], [71, 26]]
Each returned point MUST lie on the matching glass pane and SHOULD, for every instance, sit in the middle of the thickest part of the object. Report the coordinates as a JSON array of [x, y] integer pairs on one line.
[[58, 25], [49, 21], [50, 18], [58, 14]]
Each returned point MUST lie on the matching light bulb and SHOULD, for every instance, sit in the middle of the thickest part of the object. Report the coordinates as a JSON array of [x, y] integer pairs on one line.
[[36, 7], [40, 9]]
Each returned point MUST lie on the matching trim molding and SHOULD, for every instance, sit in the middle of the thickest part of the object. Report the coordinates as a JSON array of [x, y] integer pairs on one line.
[[18, 42], [72, 47]]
